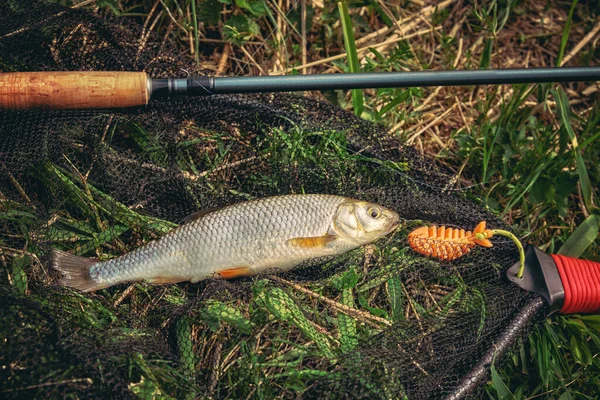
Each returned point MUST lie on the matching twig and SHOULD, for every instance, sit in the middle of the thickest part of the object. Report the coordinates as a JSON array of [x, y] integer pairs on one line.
[[89, 381], [216, 360], [358, 51], [146, 34], [582, 43], [83, 3], [369, 254], [423, 104], [18, 186], [352, 312], [95, 158], [462, 115], [88, 192], [225, 364], [173, 18], [17, 253], [154, 302], [279, 37], [412, 361], [253, 61], [124, 295], [303, 35], [432, 123], [148, 18], [427, 11], [185, 174], [429, 294], [223, 41], [458, 53], [223, 59], [411, 304]]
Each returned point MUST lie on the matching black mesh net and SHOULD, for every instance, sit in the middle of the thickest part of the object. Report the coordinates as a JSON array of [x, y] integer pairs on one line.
[[378, 322]]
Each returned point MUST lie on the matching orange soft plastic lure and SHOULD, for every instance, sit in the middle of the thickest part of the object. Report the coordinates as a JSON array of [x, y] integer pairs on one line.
[[448, 243]]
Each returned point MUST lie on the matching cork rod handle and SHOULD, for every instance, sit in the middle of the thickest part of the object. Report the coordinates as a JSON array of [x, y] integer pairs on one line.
[[72, 90]]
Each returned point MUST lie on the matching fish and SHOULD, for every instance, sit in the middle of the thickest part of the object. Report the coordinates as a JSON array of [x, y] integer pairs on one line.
[[242, 239]]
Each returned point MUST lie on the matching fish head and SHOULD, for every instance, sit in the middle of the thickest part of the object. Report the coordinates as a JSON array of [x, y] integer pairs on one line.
[[364, 222]]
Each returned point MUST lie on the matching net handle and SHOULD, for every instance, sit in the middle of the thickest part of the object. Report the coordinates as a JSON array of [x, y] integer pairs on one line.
[[581, 282], [496, 352], [73, 90]]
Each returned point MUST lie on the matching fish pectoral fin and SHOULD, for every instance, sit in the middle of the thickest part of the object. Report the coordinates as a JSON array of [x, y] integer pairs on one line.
[[165, 279], [237, 272], [312, 242]]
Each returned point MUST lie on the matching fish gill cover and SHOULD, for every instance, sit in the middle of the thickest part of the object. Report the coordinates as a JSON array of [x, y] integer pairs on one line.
[[378, 322]]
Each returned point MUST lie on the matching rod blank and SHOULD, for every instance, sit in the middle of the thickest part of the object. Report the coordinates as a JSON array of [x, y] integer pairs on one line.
[[374, 80]]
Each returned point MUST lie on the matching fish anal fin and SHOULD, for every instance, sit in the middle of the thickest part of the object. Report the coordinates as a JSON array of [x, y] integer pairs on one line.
[[312, 242], [237, 272]]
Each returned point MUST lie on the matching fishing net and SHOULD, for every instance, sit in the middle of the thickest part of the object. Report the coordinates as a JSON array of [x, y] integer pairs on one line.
[[378, 322]]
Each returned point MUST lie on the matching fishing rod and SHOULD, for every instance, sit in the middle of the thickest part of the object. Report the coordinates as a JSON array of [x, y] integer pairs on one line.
[[100, 89]]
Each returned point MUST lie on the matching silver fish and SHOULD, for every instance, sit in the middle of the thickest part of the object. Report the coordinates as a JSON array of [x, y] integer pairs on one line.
[[239, 240]]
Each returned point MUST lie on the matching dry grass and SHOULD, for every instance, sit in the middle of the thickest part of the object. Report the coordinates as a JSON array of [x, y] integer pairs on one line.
[[441, 36]]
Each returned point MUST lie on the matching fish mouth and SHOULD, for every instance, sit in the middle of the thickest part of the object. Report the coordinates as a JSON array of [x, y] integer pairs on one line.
[[394, 221], [390, 226]]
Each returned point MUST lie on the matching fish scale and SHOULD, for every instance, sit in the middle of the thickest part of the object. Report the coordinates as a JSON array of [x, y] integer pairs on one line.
[[240, 239]]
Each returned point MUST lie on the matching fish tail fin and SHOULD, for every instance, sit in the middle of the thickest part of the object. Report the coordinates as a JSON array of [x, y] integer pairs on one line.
[[76, 271]]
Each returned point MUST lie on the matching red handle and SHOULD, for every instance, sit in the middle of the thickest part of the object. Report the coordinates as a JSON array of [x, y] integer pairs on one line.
[[581, 282]]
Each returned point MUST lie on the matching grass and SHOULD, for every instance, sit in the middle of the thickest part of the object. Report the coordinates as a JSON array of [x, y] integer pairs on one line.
[[263, 338], [528, 153]]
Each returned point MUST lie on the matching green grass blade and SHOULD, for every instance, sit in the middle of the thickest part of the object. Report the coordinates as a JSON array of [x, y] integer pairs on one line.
[[347, 324], [185, 346], [396, 298], [488, 151], [281, 305], [486, 57], [107, 236], [216, 312], [196, 40], [74, 194], [350, 44], [384, 17], [562, 104], [149, 144], [129, 217], [528, 185], [402, 96], [582, 237], [502, 390], [565, 35], [580, 350], [451, 300], [19, 277]]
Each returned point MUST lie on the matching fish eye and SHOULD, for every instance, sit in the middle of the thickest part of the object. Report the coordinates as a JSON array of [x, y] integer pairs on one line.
[[373, 212]]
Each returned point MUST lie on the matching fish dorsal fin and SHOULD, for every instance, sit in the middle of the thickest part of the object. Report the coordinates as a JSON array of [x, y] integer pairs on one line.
[[198, 214], [312, 242]]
